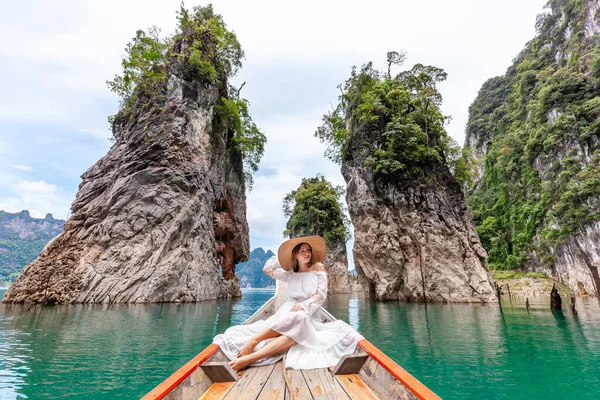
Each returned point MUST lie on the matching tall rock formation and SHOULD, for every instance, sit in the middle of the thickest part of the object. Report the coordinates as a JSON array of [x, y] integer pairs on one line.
[[533, 139], [155, 217], [314, 209], [415, 238], [413, 234]]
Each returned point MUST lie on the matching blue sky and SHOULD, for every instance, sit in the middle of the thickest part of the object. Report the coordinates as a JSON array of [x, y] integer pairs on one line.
[[56, 57]]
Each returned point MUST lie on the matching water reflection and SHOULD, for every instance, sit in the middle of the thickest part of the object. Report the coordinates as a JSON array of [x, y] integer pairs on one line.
[[480, 351], [100, 351]]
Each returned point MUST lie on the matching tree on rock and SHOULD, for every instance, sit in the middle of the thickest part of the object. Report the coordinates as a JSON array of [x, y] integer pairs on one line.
[[315, 209]]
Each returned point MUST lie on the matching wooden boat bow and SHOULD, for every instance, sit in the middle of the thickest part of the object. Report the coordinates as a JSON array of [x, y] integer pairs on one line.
[[376, 377]]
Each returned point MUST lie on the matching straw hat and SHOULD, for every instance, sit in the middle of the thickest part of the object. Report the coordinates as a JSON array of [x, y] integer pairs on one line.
[[317, 243]]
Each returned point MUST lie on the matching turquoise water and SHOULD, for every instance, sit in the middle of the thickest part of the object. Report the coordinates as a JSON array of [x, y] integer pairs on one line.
[[459, 351]]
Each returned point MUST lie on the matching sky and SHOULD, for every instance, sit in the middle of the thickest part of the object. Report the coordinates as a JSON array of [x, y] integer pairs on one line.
[[56, 57]]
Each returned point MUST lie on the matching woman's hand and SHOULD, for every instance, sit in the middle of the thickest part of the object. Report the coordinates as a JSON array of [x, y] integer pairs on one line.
[[297, 307]]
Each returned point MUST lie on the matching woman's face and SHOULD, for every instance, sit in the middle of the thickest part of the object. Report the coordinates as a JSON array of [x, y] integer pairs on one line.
[[304, 254]]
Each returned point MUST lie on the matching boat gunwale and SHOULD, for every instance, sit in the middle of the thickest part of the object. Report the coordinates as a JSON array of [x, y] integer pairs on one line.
[[179, 376], [403, 376]]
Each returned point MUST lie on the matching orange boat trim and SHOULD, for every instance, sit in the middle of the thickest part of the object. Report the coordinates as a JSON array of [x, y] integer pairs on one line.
[[171, 382], [419, 390]]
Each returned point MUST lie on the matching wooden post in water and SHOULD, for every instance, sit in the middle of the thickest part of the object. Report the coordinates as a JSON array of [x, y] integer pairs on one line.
[[573, 309], [555, 300], [498, 294], [527, 304], [509, 295]]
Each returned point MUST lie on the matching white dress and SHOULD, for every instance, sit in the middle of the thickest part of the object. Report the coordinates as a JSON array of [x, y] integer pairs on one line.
[[318, 344]]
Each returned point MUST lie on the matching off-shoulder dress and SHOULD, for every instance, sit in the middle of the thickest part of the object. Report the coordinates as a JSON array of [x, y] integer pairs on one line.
[[318, 344]]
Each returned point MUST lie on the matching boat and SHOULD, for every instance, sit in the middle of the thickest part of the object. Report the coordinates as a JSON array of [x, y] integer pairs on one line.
[[366, 374]]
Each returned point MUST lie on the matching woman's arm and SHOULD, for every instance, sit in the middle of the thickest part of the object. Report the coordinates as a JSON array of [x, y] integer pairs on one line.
[[274, 270], [311, 304]]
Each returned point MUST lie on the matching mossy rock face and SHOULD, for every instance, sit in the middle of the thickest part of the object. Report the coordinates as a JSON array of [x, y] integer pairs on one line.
[[534, 140]]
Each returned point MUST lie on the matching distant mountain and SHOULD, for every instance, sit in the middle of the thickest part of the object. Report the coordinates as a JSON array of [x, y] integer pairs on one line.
[[22, 238], [250, 272], [353, 272]]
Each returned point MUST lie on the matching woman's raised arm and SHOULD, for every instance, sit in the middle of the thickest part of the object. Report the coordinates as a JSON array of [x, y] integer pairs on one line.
[[274, 270]]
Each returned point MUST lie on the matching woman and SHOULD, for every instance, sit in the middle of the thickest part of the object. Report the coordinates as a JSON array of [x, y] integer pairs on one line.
[[295, 326]]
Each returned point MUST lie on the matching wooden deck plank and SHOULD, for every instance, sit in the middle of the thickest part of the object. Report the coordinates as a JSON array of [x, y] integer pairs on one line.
[[241, 383], [249, 386], [275, 386], [323, 385], [299, 387], [217, 390], [355, 388]]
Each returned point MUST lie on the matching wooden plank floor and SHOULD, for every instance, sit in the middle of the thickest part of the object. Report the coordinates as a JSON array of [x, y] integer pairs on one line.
[[263, 383]]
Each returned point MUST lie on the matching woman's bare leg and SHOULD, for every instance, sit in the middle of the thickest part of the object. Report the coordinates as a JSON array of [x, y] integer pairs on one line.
[[255, 340], [277, 346]]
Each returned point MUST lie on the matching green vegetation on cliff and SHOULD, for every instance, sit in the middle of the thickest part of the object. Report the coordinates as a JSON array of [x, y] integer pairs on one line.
[[315, 209], [402, 113], [540, 127], [202, 49]]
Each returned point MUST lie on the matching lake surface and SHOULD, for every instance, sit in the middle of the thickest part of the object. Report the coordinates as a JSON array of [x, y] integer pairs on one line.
[[459, 351]]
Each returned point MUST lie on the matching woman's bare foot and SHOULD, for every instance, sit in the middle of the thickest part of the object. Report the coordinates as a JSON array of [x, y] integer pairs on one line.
[[240, 363], [248, 347]]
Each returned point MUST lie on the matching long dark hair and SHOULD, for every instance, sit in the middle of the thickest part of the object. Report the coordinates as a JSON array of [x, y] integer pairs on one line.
[[295, 252]]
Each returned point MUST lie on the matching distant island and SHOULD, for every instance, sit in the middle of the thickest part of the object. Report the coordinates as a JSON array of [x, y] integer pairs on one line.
[[250, 272], [22, 238]]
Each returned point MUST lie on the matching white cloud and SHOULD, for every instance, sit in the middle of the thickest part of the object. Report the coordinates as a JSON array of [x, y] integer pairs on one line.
[[22, 167], [38, 197]]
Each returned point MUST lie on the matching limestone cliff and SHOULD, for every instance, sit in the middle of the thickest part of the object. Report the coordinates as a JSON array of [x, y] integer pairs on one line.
[[155, 217], [414, 238], [336, 264], [534, 138]]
